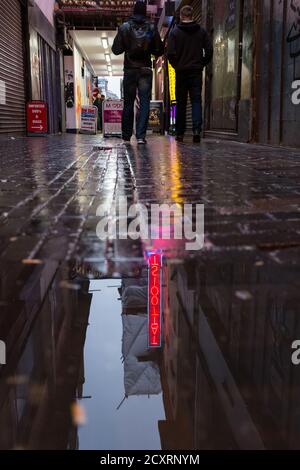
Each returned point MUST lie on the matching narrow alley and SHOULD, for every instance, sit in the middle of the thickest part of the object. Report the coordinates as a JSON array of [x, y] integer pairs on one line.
[[149, 232]]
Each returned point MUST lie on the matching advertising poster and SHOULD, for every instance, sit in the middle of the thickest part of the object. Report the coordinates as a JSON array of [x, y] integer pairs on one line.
[[69, 92]]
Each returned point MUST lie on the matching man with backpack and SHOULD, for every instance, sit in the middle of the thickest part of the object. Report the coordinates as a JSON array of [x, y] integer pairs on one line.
[[139, 39], [189, 50]]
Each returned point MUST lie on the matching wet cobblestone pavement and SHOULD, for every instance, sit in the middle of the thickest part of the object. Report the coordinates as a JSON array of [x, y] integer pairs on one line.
[[50, 191], [231, 310]]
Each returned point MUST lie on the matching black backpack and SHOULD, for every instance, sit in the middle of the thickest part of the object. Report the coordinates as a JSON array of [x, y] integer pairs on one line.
[[140, 37]]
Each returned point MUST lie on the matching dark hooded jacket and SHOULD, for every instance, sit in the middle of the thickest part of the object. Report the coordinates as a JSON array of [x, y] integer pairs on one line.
[[189, 48], [148, 37]]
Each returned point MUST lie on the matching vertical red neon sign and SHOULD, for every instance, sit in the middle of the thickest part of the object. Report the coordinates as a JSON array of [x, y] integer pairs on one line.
[[154, 301]]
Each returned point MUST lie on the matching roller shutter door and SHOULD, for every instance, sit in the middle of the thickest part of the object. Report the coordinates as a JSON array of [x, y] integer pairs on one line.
[[12, 87]]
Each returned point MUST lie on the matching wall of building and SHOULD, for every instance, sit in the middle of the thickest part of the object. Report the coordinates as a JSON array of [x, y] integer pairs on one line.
[[41, 20], [46, 6], [249, 90], [278, 67]]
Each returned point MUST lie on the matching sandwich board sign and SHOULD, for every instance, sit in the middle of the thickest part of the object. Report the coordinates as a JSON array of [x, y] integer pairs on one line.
[[88, 119], [37, 118], [112, 117]]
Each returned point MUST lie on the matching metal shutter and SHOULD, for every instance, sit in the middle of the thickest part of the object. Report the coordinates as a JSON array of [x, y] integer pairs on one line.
[[197, 5], [12, 88]]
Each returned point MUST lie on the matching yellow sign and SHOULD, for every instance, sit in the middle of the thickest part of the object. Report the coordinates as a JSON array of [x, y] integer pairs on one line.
[[172, 82]]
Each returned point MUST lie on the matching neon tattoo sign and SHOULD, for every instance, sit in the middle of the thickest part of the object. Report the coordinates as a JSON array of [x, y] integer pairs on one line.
[[154, 300]]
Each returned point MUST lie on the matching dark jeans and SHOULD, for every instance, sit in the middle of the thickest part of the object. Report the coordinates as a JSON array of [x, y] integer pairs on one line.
[[136, 80], [188, 83]]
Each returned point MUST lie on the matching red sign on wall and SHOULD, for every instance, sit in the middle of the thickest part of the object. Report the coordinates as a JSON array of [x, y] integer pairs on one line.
[[37, 117], [154, 301]]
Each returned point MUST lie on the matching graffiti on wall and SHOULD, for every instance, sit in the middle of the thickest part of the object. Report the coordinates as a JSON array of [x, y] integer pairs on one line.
[[293, 37], [69, 92], [69, 88], [232, 16], [293, 41]]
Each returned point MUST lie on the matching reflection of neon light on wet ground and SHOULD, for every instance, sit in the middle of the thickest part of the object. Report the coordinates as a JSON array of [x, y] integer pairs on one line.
[[154, 300]]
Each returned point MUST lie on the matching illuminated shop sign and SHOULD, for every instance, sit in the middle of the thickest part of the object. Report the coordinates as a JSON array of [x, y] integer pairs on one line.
[[172, 83], [154, 300], [79, 4], [97, 4]]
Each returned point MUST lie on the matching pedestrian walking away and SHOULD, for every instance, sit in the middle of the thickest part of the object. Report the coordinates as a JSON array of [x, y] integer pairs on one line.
[[138, 38], [98, 102], [189, 50]]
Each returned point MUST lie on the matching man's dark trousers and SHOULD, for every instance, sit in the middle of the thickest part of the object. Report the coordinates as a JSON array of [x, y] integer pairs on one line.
[[188, 83], [136, 80]]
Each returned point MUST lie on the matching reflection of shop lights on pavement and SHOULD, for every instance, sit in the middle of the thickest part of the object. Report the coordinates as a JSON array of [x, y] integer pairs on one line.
[[104, 43], [154, 300]]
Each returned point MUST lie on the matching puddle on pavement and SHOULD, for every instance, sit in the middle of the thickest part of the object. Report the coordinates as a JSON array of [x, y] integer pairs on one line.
[[135, 424], [77, 344]]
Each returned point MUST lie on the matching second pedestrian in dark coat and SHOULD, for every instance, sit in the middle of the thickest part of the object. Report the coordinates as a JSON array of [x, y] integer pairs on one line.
[[189, 50]]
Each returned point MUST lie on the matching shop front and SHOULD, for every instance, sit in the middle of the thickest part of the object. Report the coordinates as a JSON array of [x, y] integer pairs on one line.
[[78, 78], [229, 79], [225, 85], [44, 62]]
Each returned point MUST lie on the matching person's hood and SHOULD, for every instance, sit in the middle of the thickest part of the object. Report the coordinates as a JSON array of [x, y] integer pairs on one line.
[[189, 28], [140, 19]]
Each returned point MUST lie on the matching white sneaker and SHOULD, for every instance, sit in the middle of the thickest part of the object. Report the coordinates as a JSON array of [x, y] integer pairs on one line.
[[142, 141]]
